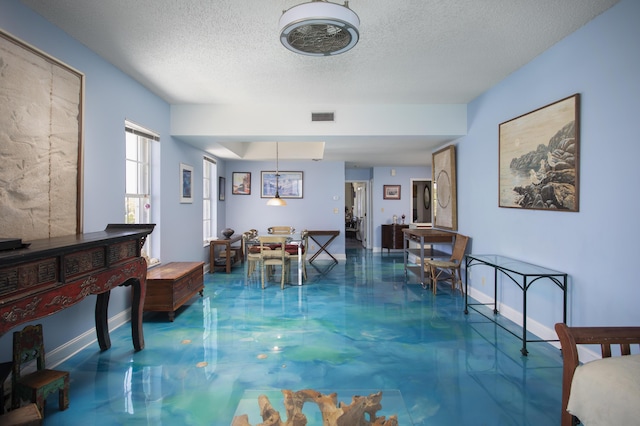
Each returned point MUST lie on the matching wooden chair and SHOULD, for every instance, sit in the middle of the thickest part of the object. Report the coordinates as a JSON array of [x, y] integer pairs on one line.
[[29, 415], [435, 268], [274, 256], [35, 387], [251, 251], [280, 230], [305, 246], [571, 337]]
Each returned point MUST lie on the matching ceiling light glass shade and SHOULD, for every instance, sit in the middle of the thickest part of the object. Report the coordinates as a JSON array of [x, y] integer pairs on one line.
[[276, 201], [319, 28]]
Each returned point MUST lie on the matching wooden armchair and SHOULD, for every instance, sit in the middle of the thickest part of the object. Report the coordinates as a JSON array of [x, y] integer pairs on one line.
[[571, 337], [28, 346]]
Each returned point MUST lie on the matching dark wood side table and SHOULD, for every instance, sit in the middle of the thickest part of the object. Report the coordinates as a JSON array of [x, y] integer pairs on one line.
[[323, 247], [392, 237], [227, 245]]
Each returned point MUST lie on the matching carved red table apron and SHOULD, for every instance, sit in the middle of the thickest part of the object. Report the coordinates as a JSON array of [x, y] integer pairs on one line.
[[55, 273]]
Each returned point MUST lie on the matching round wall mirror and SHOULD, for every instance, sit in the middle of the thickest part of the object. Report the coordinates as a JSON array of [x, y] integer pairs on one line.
[[427, 197]]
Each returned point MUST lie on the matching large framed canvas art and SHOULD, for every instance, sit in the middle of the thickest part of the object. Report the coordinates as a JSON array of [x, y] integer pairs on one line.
[[443, 171], [539, 158], [41, 115]]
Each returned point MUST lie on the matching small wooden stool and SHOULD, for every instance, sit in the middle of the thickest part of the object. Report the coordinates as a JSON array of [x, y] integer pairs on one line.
[[29, 415]]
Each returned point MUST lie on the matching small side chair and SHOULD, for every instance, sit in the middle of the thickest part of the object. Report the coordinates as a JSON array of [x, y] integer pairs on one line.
[[28, 345], [435, 267]]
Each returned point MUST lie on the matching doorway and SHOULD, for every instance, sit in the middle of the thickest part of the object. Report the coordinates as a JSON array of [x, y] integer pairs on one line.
[[421, 202], [356, 205]]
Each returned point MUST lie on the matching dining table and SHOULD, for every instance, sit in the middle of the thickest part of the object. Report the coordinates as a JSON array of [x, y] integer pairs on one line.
[[294, 238]]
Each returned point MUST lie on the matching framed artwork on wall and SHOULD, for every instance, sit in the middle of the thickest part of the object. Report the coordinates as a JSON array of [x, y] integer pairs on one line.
[[289, 184], [41, 116], [391, 192], [186, 183], [241, 183], [221, 188], [445, 205], [539, 158]]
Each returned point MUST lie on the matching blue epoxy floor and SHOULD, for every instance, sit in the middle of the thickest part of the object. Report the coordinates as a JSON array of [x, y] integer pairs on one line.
[[353, 326]]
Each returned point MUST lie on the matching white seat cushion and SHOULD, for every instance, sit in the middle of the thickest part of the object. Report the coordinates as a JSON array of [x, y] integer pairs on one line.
[[607, 391]]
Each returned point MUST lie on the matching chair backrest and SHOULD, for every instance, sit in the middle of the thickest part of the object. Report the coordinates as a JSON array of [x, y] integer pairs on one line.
[[281, 230], [269, 241], [28, 345], [459, 247], [304, 236]]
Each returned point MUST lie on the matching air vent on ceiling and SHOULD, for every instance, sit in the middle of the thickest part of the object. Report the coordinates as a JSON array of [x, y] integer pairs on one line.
[[322, 116]]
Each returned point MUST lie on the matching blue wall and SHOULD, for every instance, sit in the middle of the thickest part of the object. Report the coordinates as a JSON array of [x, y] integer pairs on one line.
[[110, 98], [597, 245], [321, 208]]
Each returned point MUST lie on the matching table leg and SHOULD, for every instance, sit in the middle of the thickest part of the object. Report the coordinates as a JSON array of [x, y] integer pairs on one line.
[[323, 247]]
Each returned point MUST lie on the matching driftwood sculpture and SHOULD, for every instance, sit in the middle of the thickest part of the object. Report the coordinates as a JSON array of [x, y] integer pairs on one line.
[[332, 414]]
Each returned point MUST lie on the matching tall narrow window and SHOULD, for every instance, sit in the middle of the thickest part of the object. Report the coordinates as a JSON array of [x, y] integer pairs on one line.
[[209, 195], [138, 201]]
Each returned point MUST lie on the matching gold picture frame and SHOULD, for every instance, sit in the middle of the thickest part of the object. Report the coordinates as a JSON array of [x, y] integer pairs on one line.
[[539, 158], [443, 176]]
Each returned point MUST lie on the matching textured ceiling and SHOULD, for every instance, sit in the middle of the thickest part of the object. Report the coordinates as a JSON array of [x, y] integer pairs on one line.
[[228, 51]]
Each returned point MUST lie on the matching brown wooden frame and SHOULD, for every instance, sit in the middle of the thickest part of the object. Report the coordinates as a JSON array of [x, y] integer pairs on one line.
[[391, 192], [530, 173], [570, 337], [443, 177], [37, 72]]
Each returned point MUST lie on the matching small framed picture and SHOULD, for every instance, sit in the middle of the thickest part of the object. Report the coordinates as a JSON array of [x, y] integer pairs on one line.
[[186, 183], [391, 192], [241, 183], [221, 186]]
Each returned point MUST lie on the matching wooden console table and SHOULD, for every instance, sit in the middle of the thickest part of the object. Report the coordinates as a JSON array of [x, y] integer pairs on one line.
[[323, 247], [53, 274], [422, 237], [226, 244], [523, 275]]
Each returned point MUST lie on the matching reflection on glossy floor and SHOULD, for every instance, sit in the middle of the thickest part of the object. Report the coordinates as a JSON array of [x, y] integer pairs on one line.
[[354, 326]]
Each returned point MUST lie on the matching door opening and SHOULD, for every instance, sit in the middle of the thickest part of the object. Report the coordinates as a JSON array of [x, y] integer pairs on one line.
[[421, 202]]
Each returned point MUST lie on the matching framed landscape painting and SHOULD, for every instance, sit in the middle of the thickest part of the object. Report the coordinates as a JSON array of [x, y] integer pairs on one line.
[[289, 184], [391, 192], [539, 158]]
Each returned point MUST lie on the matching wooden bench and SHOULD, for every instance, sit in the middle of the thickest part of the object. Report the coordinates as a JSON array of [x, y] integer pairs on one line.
[[172, 285]]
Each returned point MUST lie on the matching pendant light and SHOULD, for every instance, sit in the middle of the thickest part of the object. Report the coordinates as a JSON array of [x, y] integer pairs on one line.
[[277, 201]]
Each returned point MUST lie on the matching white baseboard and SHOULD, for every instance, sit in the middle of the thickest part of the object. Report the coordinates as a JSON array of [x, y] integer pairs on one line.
[[60, 354], [533, 326]]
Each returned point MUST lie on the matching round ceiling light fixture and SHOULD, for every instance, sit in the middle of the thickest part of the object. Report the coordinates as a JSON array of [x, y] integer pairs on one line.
[[319, 28]]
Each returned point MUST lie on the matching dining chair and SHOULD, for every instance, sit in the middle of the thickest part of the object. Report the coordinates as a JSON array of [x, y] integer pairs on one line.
[[274, 256], [28, 345], [435, 268], [251, 251], [304, 236], [278, 230]]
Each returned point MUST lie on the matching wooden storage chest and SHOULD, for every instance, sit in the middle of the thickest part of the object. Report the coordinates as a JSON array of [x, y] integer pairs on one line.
[[170, 286]]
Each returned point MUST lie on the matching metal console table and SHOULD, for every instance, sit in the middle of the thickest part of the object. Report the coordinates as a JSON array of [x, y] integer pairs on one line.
[[522, 274]]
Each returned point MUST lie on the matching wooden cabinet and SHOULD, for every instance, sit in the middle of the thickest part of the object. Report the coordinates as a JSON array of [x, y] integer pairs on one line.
[[392, 237], [170, 286]]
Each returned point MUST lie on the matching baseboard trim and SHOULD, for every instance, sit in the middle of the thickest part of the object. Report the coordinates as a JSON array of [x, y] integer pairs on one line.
[[60, 354]]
